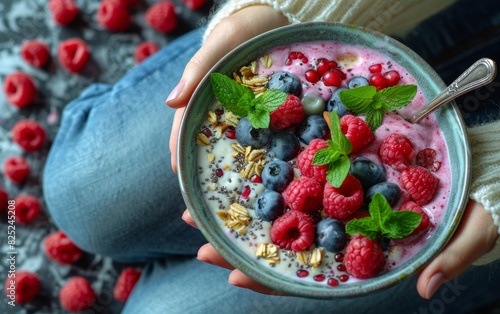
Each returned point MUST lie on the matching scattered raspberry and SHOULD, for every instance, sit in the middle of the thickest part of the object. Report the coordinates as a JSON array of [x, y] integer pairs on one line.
[[130, 3], [194, 4], [396, 150], [304, 194], [25, 286], [20, 89], [340, 203], [16, 168], [63, 11], [125, 283], [424, 223], [27, 208], [145, 50], [420, 183], [35, 53], [28, 134], [364, 258], [4, 200], [73, 54], [113, 15], [293, 231], [76, 295], [357, 132], [61, 249], [427, 158], [289, 113], [306, 157], [162, 16]]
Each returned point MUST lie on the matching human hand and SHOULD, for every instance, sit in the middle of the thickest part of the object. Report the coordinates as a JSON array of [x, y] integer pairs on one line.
[[229, 33], [476, 235]]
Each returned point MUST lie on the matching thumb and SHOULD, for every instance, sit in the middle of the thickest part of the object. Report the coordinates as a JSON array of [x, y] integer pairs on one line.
[[474, 237]]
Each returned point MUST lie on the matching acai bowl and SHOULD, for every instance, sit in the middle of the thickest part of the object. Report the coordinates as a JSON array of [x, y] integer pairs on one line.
[[297, 164]]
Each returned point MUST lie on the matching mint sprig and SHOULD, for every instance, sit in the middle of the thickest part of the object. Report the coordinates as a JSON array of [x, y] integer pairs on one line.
[[336, 155], [241, 101], [383, 222], [374, 104]]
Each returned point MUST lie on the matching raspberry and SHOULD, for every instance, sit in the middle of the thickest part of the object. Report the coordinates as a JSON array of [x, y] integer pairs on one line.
[[361, 213], [61, 249], [16, 168], [27, 208], [113, 15], [73, 54], [357, 132], [63, 11], [194, 4], [306, 157], [20, 89], [28, 134], [35, 53], [424, 223], [293, 231], [364, 258], [396, 150], [144, 50], [4, 200], [420, 183], [304, 194], [289, 113], [427, 158], [162, 16], [76, 295], [25, 286], [340, 203], [125, 283]]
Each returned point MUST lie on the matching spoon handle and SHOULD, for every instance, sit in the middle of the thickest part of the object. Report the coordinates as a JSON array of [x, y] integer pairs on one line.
[[482, 72]]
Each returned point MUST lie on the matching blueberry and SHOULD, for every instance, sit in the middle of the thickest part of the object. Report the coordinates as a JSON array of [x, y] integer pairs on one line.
[[358, 82], [269, 205], [276, 175], [286, 82], [389, 190], [247, 135], [334, 103], [330, 234], [313, 105], [312, 127], [284, 145], [367, 172], [384, 243]]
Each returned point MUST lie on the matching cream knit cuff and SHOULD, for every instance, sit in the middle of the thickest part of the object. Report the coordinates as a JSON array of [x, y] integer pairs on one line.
[[485, 188]]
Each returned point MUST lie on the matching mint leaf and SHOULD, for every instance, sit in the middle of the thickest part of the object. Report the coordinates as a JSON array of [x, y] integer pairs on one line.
[[259, 118], [245, 103], [379, 209], [364, 226], [270, 100], [229, 93], [338, 171], [358, 99], [396, 97], [374, 118], [325, 156], [401, 224]]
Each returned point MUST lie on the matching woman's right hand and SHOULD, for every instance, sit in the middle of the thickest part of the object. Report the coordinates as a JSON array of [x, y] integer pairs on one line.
[[229, 33]]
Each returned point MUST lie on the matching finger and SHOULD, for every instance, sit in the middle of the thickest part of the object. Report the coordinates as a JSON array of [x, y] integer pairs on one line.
[[239, 279], [228, 34], [173, 137], [186, 216], [209, 255], [474, 237]]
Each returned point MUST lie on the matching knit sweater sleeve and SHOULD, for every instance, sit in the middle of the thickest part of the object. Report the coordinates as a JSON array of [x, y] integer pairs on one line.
[[388, 16], [485, 188]]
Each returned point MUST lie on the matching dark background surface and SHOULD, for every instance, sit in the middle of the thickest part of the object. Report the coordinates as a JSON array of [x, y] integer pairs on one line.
[[111, 57]]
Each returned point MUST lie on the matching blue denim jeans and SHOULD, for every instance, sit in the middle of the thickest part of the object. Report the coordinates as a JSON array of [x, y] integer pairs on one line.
[[108, 184]]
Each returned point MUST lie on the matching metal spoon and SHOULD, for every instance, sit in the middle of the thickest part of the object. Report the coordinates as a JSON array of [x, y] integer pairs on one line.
[[481, 73]]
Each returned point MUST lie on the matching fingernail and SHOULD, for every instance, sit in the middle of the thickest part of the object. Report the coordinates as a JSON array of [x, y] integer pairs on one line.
[[175, 92], [434, 283]]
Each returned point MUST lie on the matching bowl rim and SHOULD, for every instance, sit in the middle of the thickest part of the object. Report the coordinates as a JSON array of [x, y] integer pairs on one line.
[[276, 282]]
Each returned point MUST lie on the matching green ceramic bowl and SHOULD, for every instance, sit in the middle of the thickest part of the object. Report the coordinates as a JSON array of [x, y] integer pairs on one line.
[[448, 117]]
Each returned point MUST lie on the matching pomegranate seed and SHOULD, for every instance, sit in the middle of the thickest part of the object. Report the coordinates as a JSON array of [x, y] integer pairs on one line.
[[302, 273], [300, 55], [376, 68], [319, 277], [341, 267], [231, 133], [245, 192], [339, 257], [378, 81], [304, 59], [331, 78], [207, 132], [256, 179], [341, 74], [292, 55], [343, 278], [332, 282], [322, 66], [392, 78], [219, 111], [219, 172], [312, 76], [288, 61], [332, 64]]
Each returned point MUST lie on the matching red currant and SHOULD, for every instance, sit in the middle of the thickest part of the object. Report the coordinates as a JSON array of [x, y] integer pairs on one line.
[[378, 81], [312, 76], [322, 66], [330, 78], [376, 68], [392, 78]]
